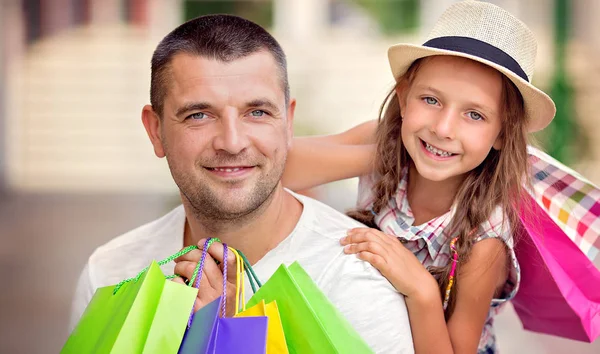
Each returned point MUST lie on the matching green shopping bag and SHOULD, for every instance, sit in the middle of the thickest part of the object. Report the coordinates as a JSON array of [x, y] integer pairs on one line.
[[147, 314], [310, 321]]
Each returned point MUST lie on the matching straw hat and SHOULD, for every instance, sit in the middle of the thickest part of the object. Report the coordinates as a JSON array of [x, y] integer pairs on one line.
[[488, 34]]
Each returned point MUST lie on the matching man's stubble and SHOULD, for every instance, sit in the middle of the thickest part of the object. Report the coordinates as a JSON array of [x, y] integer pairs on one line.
[[211, 208]]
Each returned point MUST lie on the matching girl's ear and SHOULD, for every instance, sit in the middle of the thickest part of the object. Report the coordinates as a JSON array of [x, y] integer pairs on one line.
[[402, 94], [498, 143]]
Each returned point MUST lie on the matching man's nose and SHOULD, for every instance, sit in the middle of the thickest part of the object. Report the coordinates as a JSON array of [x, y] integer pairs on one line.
[[232, 136]]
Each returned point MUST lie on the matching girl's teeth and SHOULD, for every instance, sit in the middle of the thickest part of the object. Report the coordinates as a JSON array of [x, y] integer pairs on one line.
[[436, 151]]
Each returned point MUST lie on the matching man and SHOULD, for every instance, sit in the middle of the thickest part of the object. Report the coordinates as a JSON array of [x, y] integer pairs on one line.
[[221, 114]]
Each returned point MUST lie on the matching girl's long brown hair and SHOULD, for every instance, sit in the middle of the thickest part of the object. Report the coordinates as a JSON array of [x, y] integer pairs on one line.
[[497, 181]]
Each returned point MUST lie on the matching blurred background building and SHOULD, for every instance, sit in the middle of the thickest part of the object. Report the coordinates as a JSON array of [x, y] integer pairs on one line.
[[77, 169]]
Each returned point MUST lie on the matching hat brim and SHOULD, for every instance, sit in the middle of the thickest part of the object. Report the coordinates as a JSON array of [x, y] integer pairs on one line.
[[539, 107]]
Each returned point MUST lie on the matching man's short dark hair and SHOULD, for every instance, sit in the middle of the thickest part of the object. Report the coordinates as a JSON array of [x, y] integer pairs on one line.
[[221, 37]]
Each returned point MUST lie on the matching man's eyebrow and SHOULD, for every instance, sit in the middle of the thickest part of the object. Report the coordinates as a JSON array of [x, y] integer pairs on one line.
[[192, 106], [263, 102]]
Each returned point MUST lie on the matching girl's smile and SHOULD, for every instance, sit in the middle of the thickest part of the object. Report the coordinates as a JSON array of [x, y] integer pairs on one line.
[[436, 153]]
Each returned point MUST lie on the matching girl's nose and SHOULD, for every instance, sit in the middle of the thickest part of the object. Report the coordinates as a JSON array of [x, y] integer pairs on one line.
[[445, 125]]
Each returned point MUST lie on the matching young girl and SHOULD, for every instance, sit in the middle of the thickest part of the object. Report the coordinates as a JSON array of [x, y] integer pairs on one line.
[[442, 172]]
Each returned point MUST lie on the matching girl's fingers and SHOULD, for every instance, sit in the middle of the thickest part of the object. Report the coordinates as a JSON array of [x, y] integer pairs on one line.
[[376, 260], [368, 246], [356, 237], [367, 230], [382, 236], [359, 229], [364, 235]]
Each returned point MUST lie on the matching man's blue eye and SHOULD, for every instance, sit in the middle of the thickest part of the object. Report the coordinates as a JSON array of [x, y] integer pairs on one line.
[[257, 113], [198, 116]]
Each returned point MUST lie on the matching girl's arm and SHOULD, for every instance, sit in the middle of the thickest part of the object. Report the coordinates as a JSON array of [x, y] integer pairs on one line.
[[479, 278], [317, 160]]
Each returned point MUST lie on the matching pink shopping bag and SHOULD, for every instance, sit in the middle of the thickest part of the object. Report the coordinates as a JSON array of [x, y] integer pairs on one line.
[[560, 285]]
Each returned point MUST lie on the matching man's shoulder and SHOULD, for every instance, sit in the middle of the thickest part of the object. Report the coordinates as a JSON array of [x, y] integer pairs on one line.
[[324, 219], [154, 230], [135, 249], [316, 240], [359, 291]]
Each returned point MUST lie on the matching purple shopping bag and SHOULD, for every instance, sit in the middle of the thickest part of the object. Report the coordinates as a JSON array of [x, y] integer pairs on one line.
[[209, 331]]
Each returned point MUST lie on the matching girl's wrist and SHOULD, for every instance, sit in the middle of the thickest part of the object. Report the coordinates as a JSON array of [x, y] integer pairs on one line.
[[427, 293]]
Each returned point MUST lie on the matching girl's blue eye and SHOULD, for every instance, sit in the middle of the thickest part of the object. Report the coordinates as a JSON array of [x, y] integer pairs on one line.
[[430, 100], [197, 116], [475, 116], [257, 113]]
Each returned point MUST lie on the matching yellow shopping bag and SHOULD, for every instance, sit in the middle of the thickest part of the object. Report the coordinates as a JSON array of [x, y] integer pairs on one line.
[[275, 337]]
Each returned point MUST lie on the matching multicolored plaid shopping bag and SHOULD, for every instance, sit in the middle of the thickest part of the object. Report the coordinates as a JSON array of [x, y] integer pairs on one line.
[[570, 200], [560, 285]]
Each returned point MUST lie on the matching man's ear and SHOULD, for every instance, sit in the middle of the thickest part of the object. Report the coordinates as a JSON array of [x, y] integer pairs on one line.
[[152, 123], [290, 121]]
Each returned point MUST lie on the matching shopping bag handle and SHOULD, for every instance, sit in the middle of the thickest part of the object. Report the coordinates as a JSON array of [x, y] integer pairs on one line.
[[240, 292], [250, 272], [224, 301], [163, 262], [197, 278], [197, 274], [242, 264], [245, 265], [240, 284]]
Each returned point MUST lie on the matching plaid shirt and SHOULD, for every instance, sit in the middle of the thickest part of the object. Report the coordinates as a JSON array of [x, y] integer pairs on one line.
[[431, 245]]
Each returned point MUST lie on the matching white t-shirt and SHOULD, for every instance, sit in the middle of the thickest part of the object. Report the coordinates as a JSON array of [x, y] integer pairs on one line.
[[367, 300]]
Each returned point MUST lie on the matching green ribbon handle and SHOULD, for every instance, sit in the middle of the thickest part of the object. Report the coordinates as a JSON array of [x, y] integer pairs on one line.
[[160, 263], [252, 277]]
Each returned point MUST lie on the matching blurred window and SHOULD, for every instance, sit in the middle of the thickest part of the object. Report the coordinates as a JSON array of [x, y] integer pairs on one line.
[[33, 19], [392, 16], [259, 11]]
